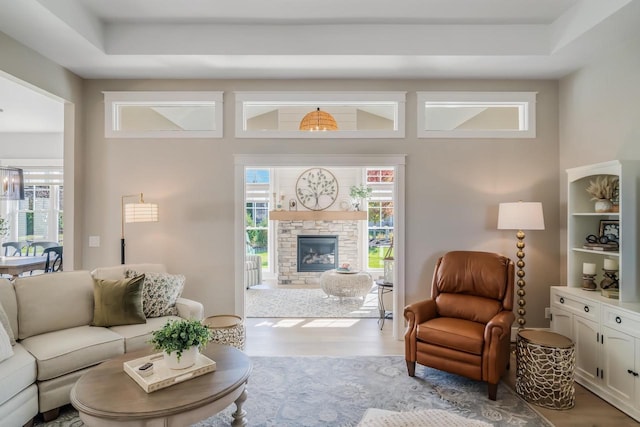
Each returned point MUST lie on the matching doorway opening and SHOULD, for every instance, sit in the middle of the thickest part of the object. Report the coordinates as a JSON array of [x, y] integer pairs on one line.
[[378, 224]]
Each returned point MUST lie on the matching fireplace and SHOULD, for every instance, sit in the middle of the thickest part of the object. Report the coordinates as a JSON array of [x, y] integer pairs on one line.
[[317, 253]]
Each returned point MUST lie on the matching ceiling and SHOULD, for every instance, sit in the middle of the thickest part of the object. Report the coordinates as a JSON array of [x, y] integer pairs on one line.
[[296, 39], [328, 39]]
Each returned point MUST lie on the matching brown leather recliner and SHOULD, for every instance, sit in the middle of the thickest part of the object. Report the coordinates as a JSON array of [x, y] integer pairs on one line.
[[465, 328]]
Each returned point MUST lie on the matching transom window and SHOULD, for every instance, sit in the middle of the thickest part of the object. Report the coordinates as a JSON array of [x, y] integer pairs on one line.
[[476, 114], [163, 114], [320, 114]]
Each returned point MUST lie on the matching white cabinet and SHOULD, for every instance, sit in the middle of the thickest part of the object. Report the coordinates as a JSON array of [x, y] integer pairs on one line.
[[606, 334], [577, 318], [619, 365]]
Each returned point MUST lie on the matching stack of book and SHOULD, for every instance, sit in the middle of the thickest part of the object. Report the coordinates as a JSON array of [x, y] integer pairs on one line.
[[601, 246]]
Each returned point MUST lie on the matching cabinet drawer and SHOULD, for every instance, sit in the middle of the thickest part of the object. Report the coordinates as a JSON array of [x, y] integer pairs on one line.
[[621, 321], [581, 307]]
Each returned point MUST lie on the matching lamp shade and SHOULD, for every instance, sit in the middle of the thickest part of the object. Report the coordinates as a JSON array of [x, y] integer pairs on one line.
[[318, 121], [520, 216], [140, 212]]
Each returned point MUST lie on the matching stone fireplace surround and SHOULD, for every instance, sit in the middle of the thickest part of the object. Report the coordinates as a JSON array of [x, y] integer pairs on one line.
[[287, 234]]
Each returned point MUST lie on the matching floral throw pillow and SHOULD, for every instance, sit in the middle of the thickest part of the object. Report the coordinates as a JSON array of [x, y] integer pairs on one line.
[[160, 292]]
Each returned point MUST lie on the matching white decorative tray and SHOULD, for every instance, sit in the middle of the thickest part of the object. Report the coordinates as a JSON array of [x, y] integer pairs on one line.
[[162, 375]]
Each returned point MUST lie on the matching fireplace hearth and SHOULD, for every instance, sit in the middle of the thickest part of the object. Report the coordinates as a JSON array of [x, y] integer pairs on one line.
[[317, 253]]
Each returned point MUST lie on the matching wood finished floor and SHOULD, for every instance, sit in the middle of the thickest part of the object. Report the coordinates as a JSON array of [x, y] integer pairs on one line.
[[349, 337]]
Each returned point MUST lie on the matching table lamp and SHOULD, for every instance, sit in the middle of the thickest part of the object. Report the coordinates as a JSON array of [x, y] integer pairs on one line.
[[520, 216]]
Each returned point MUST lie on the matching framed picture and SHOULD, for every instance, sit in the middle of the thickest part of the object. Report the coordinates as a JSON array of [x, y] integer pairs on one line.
[[610, 229]]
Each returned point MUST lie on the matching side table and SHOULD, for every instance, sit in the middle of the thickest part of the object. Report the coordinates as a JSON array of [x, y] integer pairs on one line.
[[545, 363], [383, 289], [226, 329]]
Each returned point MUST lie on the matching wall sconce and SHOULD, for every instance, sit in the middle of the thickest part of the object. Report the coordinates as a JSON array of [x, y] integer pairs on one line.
[[12, 182], [136, 212], [318, 121]]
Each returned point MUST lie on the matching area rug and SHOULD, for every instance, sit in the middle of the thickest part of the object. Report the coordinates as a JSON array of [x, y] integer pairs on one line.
[[316, 391], [308, 303]]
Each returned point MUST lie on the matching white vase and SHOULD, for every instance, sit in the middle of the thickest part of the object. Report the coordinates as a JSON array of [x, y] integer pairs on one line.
[[603, 205], [187, 359]]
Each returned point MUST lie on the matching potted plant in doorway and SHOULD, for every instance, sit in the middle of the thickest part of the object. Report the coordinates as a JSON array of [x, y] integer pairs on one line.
[[181, 341], [359, 193]]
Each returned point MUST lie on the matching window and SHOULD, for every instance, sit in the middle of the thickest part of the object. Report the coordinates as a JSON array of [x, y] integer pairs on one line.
[[40, 214], [356, 114], [163, 114], [380, 214], [476, 114], [257, 213]]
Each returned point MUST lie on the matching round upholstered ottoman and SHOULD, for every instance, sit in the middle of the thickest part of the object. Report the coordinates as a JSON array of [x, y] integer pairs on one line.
[[226, 329], [352, 284]]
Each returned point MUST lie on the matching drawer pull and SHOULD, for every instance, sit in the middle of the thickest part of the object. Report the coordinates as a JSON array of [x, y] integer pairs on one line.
[[629, 371], [618, 320], [561, 300], [586, 308]]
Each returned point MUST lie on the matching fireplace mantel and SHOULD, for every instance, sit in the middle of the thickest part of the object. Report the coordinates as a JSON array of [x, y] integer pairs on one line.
[[317, 215]]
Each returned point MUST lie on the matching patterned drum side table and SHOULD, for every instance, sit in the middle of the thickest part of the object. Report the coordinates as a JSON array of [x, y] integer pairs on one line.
[[226, 329], [545, 366]]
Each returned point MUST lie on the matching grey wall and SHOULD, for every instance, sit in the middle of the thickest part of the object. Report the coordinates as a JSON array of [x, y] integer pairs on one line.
[[452, 195], [599, 117], [34, 69]]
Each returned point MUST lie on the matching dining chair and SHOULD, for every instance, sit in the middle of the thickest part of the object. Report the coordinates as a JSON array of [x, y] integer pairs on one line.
[[54, 259], [14, 248], [34, 247]]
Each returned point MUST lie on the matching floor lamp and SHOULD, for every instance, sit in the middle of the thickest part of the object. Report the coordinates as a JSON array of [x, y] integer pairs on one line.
[[520, 216], [136, 212]]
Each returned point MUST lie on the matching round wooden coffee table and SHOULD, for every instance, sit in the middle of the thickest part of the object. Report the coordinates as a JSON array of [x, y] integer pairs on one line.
[[107, 396]]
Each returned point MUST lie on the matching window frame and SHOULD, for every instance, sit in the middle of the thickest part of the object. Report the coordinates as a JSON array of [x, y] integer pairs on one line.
[[318, 99], [526, 101], [112, 100]]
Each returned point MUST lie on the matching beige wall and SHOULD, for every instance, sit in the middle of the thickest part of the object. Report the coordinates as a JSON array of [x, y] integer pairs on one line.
[[453, 188], [599, 117], [27, 65]]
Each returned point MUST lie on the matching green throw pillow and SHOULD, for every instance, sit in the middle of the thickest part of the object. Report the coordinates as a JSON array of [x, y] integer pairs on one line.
[[118, 302]]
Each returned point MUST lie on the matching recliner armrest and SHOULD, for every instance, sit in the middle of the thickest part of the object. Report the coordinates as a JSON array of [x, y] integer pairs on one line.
[[189, 309], [421, 311], [500, 324]]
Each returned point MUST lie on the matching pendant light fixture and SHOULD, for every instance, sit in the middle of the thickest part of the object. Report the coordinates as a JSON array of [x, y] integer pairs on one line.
[[318, 121]]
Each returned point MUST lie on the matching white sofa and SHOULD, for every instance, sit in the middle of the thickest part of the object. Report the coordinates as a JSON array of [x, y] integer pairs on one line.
[[50, 316]]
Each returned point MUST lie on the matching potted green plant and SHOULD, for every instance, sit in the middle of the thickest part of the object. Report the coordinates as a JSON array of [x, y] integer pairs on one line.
[[181, 341], [359, 193]]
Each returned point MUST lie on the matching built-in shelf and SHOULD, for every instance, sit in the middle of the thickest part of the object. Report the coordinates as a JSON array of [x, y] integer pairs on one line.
[[317, 215]]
